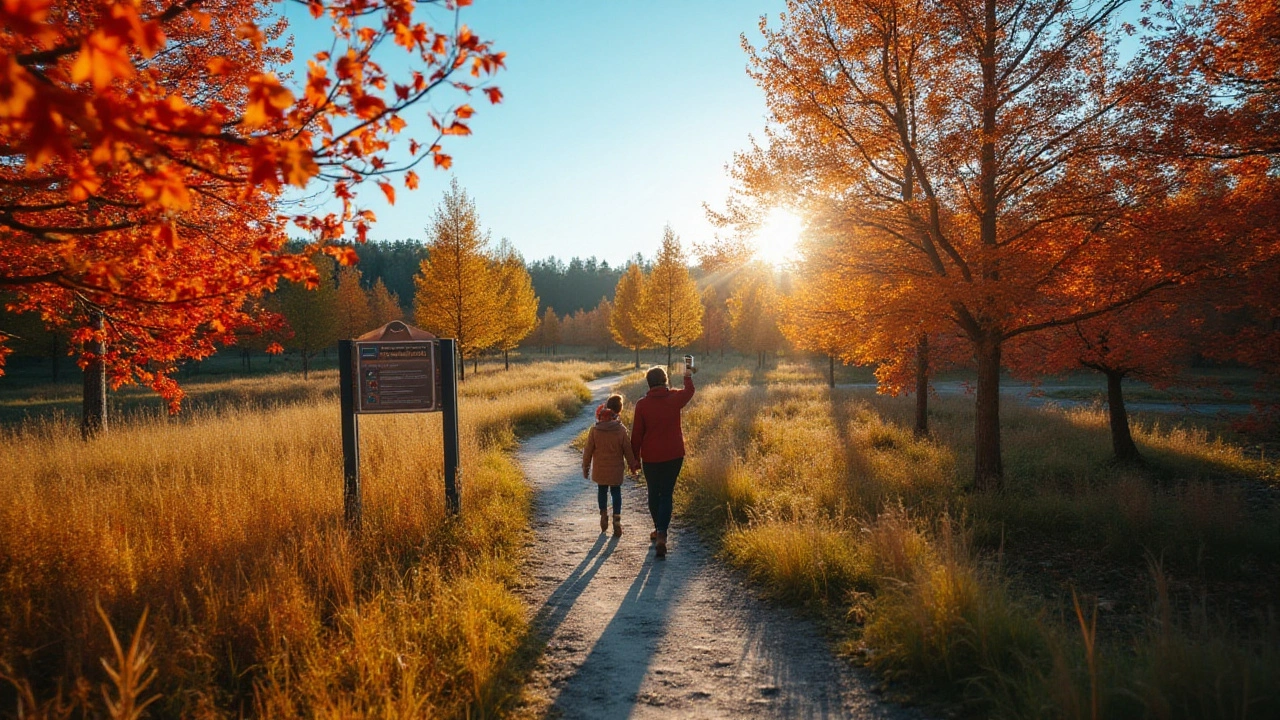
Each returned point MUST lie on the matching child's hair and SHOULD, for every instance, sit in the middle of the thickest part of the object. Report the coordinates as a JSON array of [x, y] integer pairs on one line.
[[656, 377], [614, 403]]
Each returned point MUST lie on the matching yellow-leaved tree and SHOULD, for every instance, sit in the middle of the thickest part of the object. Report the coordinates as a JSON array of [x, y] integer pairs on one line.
[[355, 316], [456, 292], [754, 309], [670, 310], [517, 303], [626, 303], [384, 306]]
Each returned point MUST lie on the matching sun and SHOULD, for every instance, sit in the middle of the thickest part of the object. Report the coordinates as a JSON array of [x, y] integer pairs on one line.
[[778, 236]]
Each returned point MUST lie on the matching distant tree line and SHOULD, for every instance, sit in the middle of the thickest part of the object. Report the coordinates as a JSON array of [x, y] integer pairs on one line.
[[577, 285]]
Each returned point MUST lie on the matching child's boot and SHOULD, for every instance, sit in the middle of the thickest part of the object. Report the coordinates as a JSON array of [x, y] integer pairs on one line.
[[604, 520], [617, 525]]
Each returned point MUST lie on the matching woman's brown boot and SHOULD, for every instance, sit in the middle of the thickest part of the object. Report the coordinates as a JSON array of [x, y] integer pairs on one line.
[[604, 521], [617, 525], [660, 551]]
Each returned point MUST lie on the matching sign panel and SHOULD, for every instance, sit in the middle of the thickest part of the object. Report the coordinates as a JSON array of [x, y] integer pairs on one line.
[[396, 377]]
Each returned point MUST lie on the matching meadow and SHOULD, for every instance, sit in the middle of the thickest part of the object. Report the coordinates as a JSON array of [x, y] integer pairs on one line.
[[1085, 589], [199, 565]]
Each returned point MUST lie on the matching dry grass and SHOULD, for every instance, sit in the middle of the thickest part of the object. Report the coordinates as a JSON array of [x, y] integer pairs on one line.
[[226, 526], [828, 499]]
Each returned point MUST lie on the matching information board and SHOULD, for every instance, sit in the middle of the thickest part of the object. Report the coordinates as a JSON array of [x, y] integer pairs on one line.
[[396, 377]]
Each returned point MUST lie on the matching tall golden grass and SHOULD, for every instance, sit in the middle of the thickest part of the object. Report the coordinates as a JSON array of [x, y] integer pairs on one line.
[[828, 500], [224, 530]]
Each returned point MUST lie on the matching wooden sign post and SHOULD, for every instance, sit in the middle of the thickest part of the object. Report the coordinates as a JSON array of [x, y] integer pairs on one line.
[[397, 368]]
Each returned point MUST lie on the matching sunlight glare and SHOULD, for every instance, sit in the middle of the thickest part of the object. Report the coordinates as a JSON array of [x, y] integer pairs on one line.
[[777, 238]]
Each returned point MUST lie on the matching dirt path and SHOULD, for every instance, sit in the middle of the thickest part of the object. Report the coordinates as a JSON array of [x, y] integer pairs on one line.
[[631, 637]]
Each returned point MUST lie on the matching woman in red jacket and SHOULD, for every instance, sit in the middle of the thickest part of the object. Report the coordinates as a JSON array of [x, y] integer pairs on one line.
[[658, 442]]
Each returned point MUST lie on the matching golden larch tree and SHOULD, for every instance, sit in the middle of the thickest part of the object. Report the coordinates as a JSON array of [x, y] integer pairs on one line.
[[626, 303], [549, 331], [754, 310], [456, 290], [384, 306], [311, 313], [670, 309], [517, 302], [355, 316]]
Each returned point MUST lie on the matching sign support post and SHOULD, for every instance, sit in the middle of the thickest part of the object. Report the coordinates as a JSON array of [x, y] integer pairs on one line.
[[350, 435], [449, 408]]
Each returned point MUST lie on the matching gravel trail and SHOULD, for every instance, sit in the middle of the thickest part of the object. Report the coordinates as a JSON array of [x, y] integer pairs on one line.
[[630, 637]]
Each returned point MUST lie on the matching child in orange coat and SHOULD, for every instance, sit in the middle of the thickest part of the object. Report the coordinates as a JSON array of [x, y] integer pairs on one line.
[[605, 458]]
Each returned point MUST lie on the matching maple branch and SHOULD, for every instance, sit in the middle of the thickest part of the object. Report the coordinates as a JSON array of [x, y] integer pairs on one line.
[[1082, 316], [18, 280], [44, 57], [8, 220]]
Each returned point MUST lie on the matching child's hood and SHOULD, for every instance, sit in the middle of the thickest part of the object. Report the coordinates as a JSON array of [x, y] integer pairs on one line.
[[610, 426]]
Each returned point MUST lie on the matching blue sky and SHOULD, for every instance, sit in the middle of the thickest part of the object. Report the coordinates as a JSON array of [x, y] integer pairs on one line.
[[618, 118]]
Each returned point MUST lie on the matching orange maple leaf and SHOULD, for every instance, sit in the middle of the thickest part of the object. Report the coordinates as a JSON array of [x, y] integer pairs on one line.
[[388, 190]]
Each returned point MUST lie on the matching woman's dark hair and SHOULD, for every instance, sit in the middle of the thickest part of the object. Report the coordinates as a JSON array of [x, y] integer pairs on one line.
[[614, 403], [657, 377]]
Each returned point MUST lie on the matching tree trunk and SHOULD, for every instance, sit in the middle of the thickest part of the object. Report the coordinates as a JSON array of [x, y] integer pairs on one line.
[[668, 357], [922, 386], [1121, 439], [93, 418], [831, 370], [306, 365], [475, 365], [462, 367], [637, 358], [506, 360], [988, 470]]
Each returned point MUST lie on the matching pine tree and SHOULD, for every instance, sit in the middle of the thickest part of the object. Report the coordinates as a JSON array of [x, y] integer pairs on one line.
[[518, 303], [626, 302], [456, 289], [670, 311]]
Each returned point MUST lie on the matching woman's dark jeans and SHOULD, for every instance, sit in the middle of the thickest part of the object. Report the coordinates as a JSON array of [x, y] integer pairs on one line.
[[602, 494], [661, 479]]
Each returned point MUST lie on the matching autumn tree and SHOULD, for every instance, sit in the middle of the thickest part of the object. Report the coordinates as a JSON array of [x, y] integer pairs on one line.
[[549, 331], [147, 144], [355, 315], [384, 306], [457, 293], [626, 303], [979, 160], [754, 310], [1145, 341], [312, 315], [715, 322], [599, 335], [670, 311], [517, 303]]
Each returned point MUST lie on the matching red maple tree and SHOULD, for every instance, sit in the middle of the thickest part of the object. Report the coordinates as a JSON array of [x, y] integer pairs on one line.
[[148, 147]]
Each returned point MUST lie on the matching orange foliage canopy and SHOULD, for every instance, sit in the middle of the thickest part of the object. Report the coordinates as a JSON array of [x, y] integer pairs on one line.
[[985, 167], [146, 148]]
